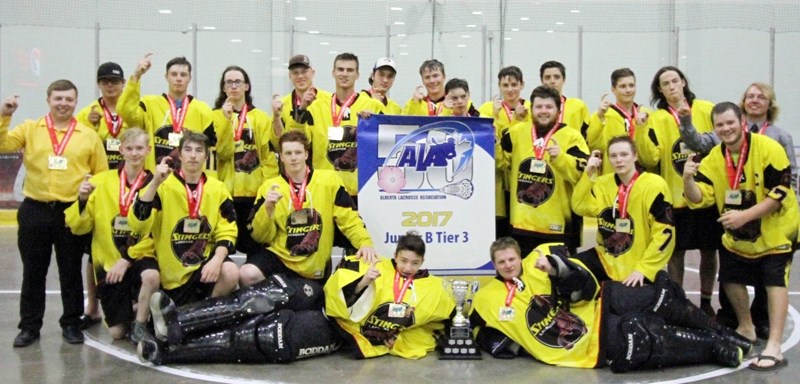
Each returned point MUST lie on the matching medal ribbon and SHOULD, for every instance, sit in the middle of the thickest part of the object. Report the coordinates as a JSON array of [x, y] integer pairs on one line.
[[561, 110], [178, 116], [734, 175], [126, 197], [622, 196], [538, 151], [242, 119], [337, 117], [631, 119], [675, 116], [58, 148], [512, 291], [433, 109], [300, 196], [114, 126], [400, 292], [194, 203], [509, 112]]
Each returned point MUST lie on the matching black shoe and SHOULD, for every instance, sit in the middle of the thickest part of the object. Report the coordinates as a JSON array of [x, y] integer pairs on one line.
[[72, 334], [88, 321], [25, 338]]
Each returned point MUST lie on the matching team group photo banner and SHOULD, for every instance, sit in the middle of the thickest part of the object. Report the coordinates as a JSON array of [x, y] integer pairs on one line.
[[433, 175]]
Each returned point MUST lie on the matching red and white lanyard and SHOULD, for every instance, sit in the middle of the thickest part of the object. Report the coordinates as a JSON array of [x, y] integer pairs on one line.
[[400, 291], [58, 148], [623, 194], [734, 175], [433, 109], [114, 125], [242, 119], [631, 119], [178, 114], [125, 195], [194, 200], [338, 116], [561, 110], [299, 197], [512, 291], [538, 150]]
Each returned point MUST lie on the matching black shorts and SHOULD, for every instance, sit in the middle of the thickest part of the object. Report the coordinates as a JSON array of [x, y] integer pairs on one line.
[[270, 263], [194, 289], [770, 270], [697, 229], [117, 299]]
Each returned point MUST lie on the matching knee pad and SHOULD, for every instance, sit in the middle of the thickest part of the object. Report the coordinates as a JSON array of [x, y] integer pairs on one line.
[[633, 344], [284, 336], [301, 294]]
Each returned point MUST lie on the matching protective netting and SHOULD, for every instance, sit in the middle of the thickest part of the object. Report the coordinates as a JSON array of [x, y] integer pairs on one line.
[[371, 18]]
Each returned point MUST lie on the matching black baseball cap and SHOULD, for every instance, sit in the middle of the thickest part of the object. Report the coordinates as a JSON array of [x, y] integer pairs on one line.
[[110, 70], [298, 60]]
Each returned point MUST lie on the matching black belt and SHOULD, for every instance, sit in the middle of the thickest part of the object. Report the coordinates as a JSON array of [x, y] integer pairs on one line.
[[51, 204]]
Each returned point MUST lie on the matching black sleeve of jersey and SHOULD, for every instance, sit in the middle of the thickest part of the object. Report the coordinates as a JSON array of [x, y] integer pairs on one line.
[[253, 211], [349, 290], [228, 245], [505, 142], [776, 177], [343, 199], [652, 135], [227, 211], [582, 157], [142, 209], [662, 210], [303, 116], [142, 106], [701, 178], [495, 342], [211, 134], [584, 130]]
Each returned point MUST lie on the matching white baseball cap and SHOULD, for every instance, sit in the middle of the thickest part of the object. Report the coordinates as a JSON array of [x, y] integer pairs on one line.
[[384, 62]]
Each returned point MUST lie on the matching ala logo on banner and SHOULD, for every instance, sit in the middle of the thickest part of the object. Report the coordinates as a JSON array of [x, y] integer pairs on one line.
[[436, 158]]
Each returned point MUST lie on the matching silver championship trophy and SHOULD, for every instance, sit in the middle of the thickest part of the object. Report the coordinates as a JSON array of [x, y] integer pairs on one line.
[[459, 345]]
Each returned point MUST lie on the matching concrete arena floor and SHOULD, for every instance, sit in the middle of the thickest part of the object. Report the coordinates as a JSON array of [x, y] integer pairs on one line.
[[50, 360]]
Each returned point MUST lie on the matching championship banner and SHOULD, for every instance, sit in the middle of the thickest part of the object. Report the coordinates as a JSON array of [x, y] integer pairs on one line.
[[434, 175]]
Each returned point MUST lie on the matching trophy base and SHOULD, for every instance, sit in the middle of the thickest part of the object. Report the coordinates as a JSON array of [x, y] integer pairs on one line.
[[459, 349]]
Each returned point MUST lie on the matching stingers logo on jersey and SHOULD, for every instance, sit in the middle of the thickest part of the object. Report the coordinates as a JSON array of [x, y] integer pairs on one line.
[[552, 326], [123, 238], [534, 188], [615, 243], [161, 141], [679, 155], [303, 230], [751, 231], [114, 159], [190, 248], [342, 153], [245, 159], [380, 327]]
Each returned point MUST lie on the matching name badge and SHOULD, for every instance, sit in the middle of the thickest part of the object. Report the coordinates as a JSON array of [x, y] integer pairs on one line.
[[239, 146], [733, 197], [335, 133], [397, 310], [112, 144], [538, 166], [506, 314], [191, 226], [174, 139], [556, 227], [622, 225], [299, 217], [121, 223], [58, 163]]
